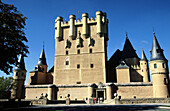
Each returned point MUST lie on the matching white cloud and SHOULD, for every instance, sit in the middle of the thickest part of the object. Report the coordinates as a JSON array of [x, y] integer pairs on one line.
[[145, 42]]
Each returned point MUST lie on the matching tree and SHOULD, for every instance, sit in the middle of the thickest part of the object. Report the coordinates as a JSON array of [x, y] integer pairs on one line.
[[12, 36], [5, 87]]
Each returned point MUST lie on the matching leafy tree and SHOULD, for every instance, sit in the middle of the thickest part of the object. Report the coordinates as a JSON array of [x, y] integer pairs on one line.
[[5, 83], [5, 87], [12, 36]]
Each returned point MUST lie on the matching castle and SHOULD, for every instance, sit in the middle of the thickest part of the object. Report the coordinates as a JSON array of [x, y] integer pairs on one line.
[[81, 68]]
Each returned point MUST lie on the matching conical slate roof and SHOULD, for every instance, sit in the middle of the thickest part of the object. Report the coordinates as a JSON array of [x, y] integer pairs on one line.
[[156, 52], [143, 56], [128, 50], [21, 63], [42, 59]]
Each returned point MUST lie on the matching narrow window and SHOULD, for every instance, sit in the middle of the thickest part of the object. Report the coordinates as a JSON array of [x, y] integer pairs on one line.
[[155, 66], [67, 62], [78, 51], [17, 74], [78, 66], [163, 65], [90, 51], [165, 81], [66, 52], [91, 65], [142, 70], [22, 74]]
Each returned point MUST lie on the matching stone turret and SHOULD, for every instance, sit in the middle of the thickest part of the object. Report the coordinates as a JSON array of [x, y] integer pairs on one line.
[[144, 67], [159, 70], [19, 74], [101, 27], [72, 31], [85, 31], [58, 29]]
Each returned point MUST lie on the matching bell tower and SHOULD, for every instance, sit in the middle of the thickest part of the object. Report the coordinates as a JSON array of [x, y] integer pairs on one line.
[[159, 70]]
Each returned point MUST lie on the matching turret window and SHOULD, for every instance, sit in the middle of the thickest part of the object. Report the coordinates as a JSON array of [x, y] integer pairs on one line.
[[16, 73], [163, 65], [22, 74], [155, 66], [165, 81]]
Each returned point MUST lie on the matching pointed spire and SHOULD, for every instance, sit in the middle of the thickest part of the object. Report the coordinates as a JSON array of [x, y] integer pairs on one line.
[[156, 52], [126, 35], [21, 63], [128, 49], [42, 59], [143, 56]]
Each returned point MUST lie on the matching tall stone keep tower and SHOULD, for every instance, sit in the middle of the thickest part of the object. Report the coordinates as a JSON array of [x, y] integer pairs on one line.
[[144, 67], [81, 49], [159, 70], [19, 75]]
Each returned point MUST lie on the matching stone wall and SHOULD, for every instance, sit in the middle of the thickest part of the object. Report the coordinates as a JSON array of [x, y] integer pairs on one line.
[[35, 91], [145, 100], [76, 93], [135, 90]]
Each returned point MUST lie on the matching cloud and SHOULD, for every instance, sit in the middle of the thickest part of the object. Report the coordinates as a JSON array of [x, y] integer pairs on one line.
[[145, 42]]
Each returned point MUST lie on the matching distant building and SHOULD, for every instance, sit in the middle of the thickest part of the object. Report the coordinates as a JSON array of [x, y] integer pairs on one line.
[[82, 70]]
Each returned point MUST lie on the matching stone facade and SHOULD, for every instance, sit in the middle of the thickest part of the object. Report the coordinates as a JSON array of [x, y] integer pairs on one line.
[[81, 68]]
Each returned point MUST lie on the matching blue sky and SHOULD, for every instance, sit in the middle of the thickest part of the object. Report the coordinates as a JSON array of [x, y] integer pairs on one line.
[[136, 17]]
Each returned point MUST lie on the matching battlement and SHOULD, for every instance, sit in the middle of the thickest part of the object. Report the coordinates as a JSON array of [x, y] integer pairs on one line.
[[100, 20]]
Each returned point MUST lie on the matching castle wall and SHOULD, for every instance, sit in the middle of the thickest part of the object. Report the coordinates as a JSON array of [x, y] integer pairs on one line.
[[35, 92], [135, 91], [76, 93]]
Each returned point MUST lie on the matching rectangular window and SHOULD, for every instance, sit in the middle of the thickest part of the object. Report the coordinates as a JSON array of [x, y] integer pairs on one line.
[[90, 51], [78, 51], [163, 65], [67, 62], [165, 81], [91, 65], [79, 82], [155, 66], [66, 52], [78, 66]]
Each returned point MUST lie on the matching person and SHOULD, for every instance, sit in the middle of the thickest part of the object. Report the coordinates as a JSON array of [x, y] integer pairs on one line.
[[95, 100]]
